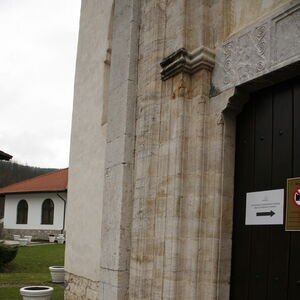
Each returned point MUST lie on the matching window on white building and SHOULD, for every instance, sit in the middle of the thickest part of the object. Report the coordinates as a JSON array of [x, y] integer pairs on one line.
[[47, 211], [22, 212]]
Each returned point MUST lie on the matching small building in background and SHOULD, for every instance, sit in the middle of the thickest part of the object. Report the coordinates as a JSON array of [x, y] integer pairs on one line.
[[5, 156], [36, 206]]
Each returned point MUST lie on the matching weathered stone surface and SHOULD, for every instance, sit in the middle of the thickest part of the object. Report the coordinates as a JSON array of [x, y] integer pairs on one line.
[[169, 192], [80, 288], [119, 164], [264, 47]]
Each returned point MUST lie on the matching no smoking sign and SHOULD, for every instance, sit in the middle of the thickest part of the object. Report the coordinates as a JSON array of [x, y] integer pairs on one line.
[[293, 205], [297, 196]]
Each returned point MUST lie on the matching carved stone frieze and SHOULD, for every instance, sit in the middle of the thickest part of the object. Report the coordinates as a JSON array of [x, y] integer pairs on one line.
[[259, 49], [286, 31], [187, 62], [260, 45], [228, 62]]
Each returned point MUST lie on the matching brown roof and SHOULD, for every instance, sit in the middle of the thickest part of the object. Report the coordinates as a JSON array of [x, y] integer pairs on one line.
[[52, 182], [4, 156]]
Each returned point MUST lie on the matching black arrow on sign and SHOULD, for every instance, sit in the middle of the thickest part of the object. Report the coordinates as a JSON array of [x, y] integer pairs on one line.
[[266, 213]]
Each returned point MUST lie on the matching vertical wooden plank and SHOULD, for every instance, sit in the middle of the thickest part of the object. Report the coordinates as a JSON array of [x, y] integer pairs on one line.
[[262, 181], [243, 184], [294, 272], [281, 170], [296, 128], [263, 141], [282, 135]]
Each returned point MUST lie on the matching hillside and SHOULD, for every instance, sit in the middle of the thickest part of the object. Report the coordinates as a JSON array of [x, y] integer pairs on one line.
[[12, 172]]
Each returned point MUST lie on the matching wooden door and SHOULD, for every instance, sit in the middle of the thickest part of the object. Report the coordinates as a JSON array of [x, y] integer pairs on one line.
[[265, 258]]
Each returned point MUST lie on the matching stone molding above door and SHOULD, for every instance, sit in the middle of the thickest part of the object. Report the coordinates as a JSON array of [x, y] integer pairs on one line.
[[264, 47]]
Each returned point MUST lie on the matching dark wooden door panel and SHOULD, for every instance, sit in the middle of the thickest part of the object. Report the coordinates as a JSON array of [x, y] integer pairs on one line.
[[263, 141], [294, 266], [266, 259], [296, 130], [281, 170], [260, 249], [282, 136], [294, 274]]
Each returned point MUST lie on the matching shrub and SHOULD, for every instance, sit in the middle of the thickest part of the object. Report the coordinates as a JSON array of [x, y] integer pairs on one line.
[[7, 253]]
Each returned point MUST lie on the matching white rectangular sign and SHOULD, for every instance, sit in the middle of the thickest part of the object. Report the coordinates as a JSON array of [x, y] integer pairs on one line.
[[265, 207]]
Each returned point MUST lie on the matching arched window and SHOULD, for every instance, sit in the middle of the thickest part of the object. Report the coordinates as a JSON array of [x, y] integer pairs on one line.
[[47, 211], [22, 212]]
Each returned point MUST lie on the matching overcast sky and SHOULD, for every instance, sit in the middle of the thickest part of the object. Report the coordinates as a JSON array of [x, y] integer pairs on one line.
[[37, 67]]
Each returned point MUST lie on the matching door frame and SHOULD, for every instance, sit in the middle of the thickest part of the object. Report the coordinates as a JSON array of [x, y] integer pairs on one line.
[[225, 107]]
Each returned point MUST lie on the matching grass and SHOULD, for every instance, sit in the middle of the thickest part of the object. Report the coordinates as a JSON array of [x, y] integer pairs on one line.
[[30, 267]]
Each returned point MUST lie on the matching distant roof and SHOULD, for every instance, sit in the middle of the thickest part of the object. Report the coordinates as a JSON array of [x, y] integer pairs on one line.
[[5, 156], [52, 182]]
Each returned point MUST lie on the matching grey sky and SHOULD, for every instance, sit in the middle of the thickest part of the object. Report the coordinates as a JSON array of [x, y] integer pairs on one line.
[[37, 59]]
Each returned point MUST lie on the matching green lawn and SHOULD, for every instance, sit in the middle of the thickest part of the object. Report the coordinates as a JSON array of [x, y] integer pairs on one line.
[[30, 267]]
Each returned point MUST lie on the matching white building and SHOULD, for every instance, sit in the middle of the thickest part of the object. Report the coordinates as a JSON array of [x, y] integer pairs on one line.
[[36, 206]]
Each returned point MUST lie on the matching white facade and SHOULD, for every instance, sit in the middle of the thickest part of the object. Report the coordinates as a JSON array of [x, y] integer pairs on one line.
[[34, 201], [87, 155]]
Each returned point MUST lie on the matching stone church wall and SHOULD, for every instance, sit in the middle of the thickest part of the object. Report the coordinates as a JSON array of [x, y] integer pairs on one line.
[[88, 139], [178, 77]]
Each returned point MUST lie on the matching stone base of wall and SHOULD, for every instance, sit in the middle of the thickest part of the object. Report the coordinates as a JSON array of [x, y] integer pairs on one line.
[[35, 233], [80, 288]]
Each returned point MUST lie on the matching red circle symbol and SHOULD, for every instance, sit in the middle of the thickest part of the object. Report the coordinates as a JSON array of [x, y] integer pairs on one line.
[[297, 197]]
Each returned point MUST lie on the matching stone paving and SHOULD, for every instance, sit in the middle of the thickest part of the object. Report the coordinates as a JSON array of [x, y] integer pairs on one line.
[[16, 243]]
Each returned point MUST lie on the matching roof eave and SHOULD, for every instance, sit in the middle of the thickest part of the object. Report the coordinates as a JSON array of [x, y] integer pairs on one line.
[[5, 156], [33, 192]]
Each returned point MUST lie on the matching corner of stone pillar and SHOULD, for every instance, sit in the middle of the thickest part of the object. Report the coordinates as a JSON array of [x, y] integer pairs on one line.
[[119, 160]]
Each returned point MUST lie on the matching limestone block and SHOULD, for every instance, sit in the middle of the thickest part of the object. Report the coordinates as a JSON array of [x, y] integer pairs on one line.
[[92, 294], [111, 292], [80, 288]]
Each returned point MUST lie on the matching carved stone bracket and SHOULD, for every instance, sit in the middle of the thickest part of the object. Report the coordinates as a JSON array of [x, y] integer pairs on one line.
[[187, 62]]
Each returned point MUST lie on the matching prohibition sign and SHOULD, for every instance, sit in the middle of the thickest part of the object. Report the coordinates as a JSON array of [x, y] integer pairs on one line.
[[297, 197]]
